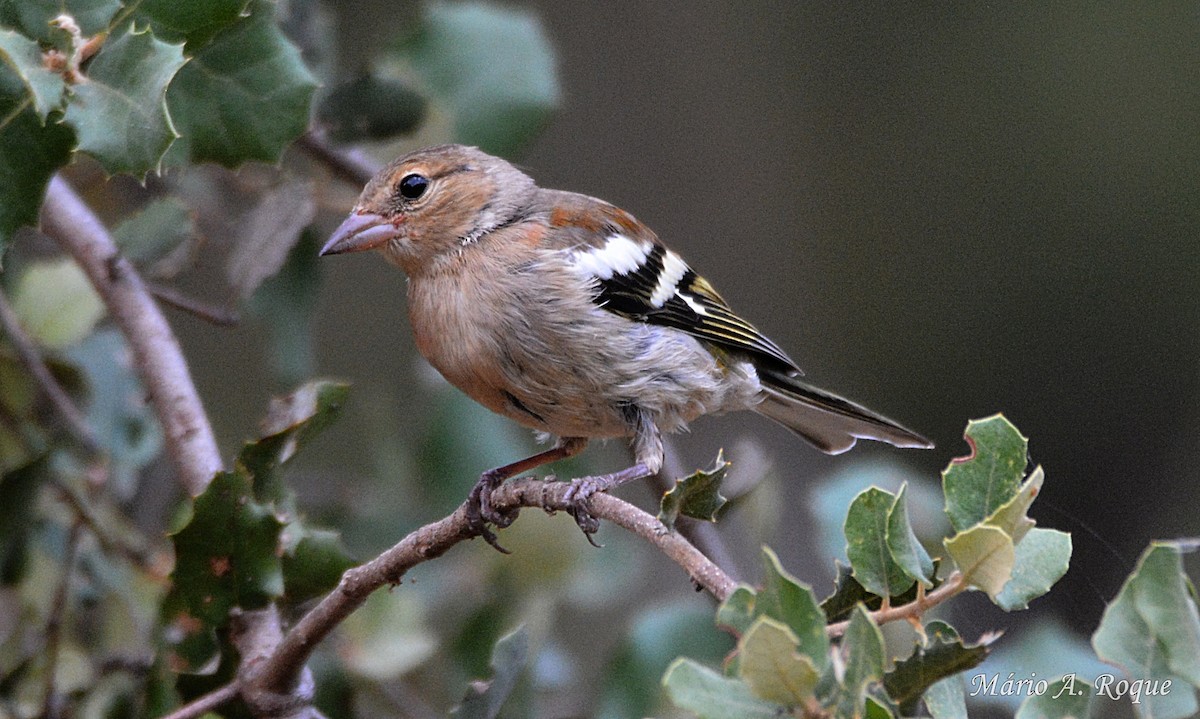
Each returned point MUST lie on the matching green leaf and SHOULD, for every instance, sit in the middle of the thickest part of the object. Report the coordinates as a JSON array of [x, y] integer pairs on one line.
[[24, 57], [1041, 559], [737, 613], [244, 96], [980, 483], [193, 22], [1066, 698], [942, 655], [226, 555], [56, 303], [371, 108], [32, 17], [876, 709], [154, 236], [866, 530], [30, 152], [508, 661], [120, 113], [1011, 516], [848, 593], [863, 651], [947, 699], [985, 555], [792, 602], [697, 495], [1152, 630], [903, 544], [709, 695], [491, 66], [770, 666], [313, 561]]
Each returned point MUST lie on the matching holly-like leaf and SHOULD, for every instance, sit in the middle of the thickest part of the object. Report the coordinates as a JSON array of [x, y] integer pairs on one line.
[[942, 655], [491, 66], [313, 561], [485, 700], [119, 113], [193, 22], [866, 530], [771, 667], [226, 555], [863, 651], [1066, 698], [371, 108], [1152, 630], [792, 602], [848, 593], [1041, 559], [30, 152], [697, 495], [903, 544], [737, 612], [1011, 516], [978, 484], [709, 695], [985, 555], [159, 237], [32, 17], [24, 57], [244, 96]]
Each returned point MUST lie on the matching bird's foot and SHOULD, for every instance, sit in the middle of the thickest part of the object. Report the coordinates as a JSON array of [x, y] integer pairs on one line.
[[481, 511], [579, 495]]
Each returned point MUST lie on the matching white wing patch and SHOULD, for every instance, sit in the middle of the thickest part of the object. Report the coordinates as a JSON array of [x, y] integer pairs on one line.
[[696, 306], [619, 255], [673, 270]]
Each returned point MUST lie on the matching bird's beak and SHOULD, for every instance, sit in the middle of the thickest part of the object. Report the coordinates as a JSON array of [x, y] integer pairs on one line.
[[361, 231]]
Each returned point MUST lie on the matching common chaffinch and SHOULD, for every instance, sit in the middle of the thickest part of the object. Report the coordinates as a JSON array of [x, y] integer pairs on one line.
[[567, 315]]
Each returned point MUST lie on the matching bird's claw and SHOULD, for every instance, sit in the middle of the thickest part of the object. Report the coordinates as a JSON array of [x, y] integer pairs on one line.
[[578, 498], [481, 511]]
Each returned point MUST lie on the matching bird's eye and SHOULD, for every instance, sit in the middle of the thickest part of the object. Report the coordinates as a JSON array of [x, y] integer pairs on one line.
[[413, 186]]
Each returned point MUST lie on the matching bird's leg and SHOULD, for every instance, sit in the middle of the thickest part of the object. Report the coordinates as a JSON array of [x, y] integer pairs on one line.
[[648, 452], [479, 502]]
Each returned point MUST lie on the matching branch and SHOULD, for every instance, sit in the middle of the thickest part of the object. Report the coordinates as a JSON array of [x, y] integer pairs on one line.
[[278, 673], [350, 164], [923, 603], [157, 356], [27, 351]]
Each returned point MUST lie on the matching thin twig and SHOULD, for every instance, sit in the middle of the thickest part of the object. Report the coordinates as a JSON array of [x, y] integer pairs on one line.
[[280, 671], [219, 316], [54, 622], [350, 164], [157, 356], [954, 584], [205, 703], [29, 355]]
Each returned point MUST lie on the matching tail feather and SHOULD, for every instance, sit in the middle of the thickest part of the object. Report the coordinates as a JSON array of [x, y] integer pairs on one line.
[[831, 423]]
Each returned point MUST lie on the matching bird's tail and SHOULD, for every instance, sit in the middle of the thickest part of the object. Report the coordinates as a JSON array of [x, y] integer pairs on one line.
[[829, 422]]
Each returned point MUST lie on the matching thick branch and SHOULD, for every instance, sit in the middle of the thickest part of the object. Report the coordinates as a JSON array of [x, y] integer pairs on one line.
[[157, 356], [280, 671]]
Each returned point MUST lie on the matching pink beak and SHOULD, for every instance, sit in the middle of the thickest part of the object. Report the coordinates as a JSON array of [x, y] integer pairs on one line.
[[360, 231]]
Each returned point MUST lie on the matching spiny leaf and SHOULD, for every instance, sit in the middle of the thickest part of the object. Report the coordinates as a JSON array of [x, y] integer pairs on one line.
[[848, 592], [1041, 559], [709, 695], [788, 600], [978, 484], [1011, 516], [771, 666], [697, 495], [193, 22], [863, 651], [120, 113], [944, 654], [867, 547], [244, 96], [985, 555], [24, 57], [902, 542]]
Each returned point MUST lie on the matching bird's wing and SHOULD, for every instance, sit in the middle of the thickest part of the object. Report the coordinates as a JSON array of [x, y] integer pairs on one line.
[[637, 277]]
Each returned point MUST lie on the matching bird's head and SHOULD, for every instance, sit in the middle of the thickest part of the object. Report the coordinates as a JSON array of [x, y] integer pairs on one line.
[[429, 204]]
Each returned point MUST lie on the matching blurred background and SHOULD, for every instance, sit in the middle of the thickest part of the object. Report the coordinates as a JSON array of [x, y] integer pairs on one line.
[[942, 212]]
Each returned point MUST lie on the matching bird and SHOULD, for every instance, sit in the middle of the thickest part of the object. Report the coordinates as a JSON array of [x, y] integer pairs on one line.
[[565, 314]]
